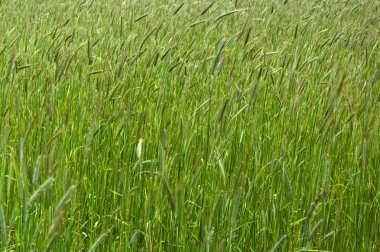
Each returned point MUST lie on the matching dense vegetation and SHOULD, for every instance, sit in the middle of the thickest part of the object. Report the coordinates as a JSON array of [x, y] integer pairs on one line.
[[176, 126]]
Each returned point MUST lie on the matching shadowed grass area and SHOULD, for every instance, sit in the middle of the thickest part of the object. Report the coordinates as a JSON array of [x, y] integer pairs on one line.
[[189, 126]]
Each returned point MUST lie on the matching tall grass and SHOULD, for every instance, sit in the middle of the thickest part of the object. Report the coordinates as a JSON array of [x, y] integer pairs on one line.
[[178, 126]]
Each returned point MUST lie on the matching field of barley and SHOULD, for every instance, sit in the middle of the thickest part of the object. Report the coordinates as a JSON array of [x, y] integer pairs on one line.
[[170, 125]]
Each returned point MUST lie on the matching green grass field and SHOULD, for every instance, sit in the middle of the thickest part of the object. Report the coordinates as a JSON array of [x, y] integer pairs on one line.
[[189, 126]]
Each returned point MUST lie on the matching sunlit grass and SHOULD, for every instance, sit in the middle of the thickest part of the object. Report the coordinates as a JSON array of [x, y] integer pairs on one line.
[[179, 126]]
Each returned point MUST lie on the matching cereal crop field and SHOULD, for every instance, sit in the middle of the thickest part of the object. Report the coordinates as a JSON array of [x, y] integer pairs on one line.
[[164, 125]]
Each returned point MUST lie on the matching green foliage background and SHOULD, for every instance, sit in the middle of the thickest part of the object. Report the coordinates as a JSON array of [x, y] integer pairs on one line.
[[177, 126]]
